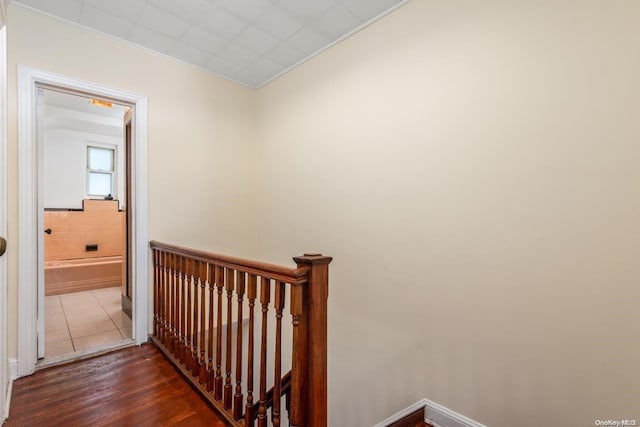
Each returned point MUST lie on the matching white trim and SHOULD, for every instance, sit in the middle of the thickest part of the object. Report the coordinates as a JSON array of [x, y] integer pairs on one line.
[[112, 173], [29, 79], [3, 208], [7, 403], [439, 415], [435, 414], [13, 368], [27, 252], [13, 374], [39, 171], [400, 415], [3, 13]]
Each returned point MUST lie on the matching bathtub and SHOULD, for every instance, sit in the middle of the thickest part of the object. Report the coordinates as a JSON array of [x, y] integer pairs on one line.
[[76, 275]]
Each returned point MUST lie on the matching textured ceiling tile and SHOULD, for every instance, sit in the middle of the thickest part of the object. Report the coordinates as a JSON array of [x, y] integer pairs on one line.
[[248, 10], [279, 23], [223, 67], [257, 40], [101, 21], [337, 22], [152, 40], [306, 9], [220, 22], [368, 9], [125, 9], [163, 22], [189, 54], [245, 40], [186, 9], [266, 66], [203, 40], [308, 40], [285, 54], [238, 55], [66, 9], [254, 76]]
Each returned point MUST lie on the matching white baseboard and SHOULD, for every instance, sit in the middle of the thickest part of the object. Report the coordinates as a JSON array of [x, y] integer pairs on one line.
[[7, 404], [435, 413], [13, 368], [400, 415], [440, 416], [13, 374]]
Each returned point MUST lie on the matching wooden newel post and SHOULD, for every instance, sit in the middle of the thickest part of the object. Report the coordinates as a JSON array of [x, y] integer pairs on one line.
[[313, 320]]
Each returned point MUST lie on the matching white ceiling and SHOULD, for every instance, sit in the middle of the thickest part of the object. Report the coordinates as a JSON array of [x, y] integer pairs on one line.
[[82, 104], [248, 41], [66, 111]]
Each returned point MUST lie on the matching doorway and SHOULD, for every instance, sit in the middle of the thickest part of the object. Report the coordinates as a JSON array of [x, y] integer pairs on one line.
[[31, 235], [85, 208]]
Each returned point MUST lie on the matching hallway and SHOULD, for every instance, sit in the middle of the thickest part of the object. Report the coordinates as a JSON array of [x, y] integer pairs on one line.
[[135, 386]]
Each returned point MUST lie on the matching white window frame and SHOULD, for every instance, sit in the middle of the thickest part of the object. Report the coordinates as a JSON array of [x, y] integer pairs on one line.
[[112, 172]]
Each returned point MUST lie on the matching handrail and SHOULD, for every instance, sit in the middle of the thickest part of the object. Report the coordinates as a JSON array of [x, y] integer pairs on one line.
[[295, 276]]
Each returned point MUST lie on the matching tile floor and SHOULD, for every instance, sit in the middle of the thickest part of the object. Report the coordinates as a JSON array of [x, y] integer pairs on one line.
[[80, 321]]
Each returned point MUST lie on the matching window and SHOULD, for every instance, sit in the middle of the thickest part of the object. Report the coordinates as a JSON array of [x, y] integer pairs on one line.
[[100, 168]]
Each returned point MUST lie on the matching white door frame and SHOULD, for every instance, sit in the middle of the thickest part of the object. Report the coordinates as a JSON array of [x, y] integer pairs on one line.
[[4, 381], [40, 221], [29, 80]]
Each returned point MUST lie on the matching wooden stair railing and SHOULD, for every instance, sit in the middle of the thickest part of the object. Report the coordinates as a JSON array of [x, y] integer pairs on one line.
[[225, 352]]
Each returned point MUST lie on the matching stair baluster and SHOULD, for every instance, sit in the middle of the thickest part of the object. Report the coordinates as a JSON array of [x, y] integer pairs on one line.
[[250, 410], [238, 397], [265, 296]]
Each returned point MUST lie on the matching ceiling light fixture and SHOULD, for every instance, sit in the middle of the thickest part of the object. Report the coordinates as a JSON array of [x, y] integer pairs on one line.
[[100, 103]]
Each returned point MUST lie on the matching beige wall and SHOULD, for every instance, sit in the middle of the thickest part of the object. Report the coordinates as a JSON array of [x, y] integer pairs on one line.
[[472, 166], [201, 135]]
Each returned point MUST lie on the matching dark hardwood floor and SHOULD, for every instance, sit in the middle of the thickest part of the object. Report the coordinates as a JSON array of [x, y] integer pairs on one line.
[[135, 386]]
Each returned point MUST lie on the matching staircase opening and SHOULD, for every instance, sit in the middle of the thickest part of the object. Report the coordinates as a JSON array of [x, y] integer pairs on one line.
[[250, 336]]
